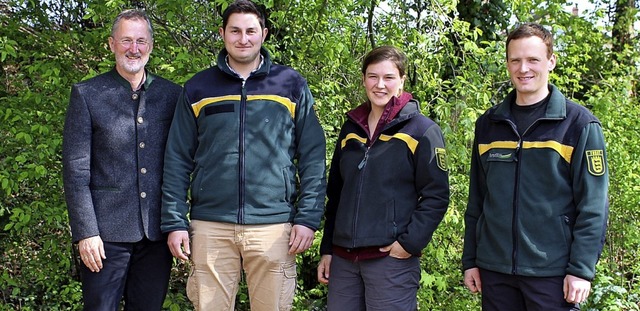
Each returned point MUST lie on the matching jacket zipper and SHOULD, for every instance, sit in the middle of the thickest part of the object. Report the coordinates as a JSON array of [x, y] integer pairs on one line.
[[516, 197], [361, 167], [514, 219], [241, 173], [364, 160]]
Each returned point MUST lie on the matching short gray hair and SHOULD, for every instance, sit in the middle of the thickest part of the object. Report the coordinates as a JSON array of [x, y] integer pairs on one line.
[[132, 14]]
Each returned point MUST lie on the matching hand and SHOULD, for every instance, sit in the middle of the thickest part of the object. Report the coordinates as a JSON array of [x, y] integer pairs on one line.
[[300, 239], [396, 251], [576, 290], [92, 252], [177, 241], [472, 280], [324, 269]]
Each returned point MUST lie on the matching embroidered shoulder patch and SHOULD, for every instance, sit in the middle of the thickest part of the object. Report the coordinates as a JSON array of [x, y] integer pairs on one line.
[[441, 158], [595, 162]]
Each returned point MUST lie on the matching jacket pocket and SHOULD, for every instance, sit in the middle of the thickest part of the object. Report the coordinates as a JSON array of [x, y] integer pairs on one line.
[[390, 207], [481, 235], [196, 184], [214, 109], [567, 227], [479, 228], [287, 184]]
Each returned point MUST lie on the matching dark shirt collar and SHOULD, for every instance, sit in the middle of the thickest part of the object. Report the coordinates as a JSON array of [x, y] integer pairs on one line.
[[148, 78]]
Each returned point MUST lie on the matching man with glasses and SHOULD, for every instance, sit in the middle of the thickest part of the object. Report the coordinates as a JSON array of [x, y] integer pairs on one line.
[[113, 145]]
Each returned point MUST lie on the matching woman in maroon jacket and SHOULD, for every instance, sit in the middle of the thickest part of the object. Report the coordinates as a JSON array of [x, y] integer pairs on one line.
[[388, 190]]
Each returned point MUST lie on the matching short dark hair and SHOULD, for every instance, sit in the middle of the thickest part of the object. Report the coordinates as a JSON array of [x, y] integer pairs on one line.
[[386, 52], [527, 30], [242, 6], [129, 15]]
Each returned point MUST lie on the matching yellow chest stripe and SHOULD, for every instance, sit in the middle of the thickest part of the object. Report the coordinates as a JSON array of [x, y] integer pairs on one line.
[[291, 106], [412, 143], [564, 151]]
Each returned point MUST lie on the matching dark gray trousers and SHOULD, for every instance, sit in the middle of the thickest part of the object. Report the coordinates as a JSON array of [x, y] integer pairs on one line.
[[382, 284], [523, 293]]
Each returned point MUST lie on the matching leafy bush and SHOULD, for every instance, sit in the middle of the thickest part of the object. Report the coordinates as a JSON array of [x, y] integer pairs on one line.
[[457, 72]]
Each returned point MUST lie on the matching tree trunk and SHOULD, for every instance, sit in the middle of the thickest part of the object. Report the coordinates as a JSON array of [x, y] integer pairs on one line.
[[623, 24]]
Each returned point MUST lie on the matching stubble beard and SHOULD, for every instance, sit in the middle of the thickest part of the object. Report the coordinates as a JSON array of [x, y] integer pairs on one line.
[[132, 67]]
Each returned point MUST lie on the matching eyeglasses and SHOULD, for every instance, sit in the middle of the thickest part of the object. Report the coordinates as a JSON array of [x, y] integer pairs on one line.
[[127, 43]]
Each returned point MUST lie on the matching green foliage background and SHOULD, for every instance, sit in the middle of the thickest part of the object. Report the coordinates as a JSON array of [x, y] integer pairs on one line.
[[457, 71]]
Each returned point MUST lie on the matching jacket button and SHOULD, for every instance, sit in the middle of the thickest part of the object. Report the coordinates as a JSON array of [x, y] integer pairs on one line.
[[143, 195], [134, 96], [143, 170], [140, 120], [142, 145]]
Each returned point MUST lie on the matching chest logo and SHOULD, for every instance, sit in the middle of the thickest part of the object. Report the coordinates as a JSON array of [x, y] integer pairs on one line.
[[441, 158], [500, 156], [595, 162]]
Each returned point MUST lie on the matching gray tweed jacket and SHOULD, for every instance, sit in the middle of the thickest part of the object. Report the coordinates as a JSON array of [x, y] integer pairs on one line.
[[112, 153]]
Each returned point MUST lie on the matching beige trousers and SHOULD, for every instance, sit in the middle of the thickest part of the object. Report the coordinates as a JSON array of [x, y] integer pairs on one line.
[[220, 251]]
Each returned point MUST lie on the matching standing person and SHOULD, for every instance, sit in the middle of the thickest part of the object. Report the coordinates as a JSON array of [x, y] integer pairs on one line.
[[113, 148], [537, 209], [246, 160], [388, 191]]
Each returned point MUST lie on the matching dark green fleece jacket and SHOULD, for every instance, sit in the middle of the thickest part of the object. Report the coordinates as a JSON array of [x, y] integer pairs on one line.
[[247, 151], [537, 202]]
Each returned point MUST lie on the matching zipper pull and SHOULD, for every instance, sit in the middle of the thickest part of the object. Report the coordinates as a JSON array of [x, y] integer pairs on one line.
[[364, 160]]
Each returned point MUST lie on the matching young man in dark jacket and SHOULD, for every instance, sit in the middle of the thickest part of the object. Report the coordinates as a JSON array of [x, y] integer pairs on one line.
[[246, 143], [538, 204]]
